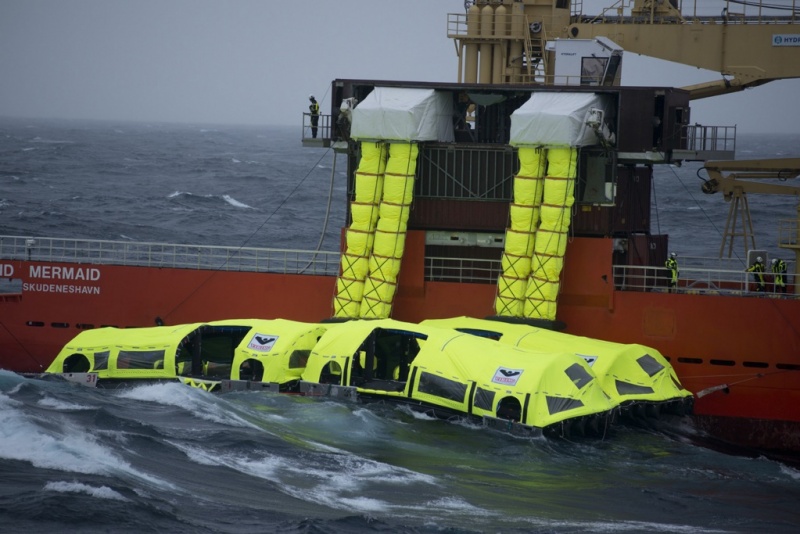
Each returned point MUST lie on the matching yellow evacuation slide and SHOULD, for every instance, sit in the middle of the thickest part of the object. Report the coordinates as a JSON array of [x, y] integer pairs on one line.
[[376, 236], [544, 191], [361, 233], [390, 235]]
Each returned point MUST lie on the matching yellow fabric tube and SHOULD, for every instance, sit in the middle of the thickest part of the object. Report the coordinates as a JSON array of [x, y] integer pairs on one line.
[[349, 288], [398, 189], [562, 162], [532, 162], [519, 243], [518, 266], [402, 159], [365, 216], [523, 218], [384, 268]]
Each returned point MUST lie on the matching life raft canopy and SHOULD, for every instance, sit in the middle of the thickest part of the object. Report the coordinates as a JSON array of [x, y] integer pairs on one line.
[[264, 350], [558, 120], [626, 372], [445, 369], [404, 114]]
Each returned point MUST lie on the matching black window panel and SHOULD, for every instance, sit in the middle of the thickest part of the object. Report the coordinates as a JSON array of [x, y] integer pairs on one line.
[[298, 359], [562, 404], [626, 388], [677, 384], [484, 399], [442, 387], [650, 365], [101, 360], [140, 359], [579, 376]]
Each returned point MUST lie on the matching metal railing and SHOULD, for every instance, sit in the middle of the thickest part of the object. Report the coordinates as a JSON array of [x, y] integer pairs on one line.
[[697, 280], [710, 138], [91, 251], [462, 270], [703, 11], [324, 129], [709, 276]]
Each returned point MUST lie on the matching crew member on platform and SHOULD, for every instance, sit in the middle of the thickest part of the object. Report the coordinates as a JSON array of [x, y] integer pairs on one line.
[[672, 265], [758, 274], [314, 109], [779, 275]]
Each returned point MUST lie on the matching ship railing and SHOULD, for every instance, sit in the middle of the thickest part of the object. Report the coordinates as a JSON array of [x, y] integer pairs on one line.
[[696, 281], [142, 254], [470, 270], [324, 131], [717, 142], [701, 11]]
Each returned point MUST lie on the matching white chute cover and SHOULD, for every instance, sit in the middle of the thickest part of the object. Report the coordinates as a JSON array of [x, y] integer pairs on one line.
[[404, 114], [555, 120]]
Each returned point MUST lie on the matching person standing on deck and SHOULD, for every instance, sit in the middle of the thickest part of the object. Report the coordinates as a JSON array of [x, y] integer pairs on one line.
[[672, 265], [779, 275], [314, 109], [758, 274]]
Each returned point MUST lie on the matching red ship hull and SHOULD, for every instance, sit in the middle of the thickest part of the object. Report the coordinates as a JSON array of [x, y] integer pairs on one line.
[[745, 350]]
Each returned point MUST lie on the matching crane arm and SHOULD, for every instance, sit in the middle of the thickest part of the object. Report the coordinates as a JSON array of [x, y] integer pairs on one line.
[[748, 51], [732, 177]]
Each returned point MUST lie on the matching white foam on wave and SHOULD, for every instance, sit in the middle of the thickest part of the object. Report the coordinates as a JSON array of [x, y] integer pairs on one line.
[[101, 492], [234, 160], [790, 471], [67, 449], [233, 202], [49, 402], [176, 194], [198, 403], [333, 480]]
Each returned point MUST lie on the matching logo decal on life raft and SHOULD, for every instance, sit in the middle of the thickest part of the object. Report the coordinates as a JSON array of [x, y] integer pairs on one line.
[[262, 342], [507, 377]]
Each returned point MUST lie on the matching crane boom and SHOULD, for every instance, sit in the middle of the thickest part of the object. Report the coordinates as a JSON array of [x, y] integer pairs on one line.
[[500, 41], [734, 179]]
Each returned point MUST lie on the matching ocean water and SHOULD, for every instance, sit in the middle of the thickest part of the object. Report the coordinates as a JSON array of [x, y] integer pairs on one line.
[[166, 458]]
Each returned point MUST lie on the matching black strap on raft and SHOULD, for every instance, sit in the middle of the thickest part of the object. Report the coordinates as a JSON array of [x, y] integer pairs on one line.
[[547, 324]]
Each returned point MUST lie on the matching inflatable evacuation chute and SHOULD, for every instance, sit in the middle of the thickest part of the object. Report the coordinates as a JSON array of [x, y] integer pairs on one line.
[[388, 125], [547, 130]]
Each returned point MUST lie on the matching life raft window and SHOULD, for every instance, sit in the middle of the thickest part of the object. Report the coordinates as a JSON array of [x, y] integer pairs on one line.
[[579, 376], [331, 373], [251, 369], [509, 408], [101, 360], [562, 404], [77, 363], [299, 359], [650, 365], [626, 388], [140, 359], [442, 387], [484, 399]]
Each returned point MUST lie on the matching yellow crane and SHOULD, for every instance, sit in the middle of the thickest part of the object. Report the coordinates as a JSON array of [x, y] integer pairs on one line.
[[734, 179], [750, 42]]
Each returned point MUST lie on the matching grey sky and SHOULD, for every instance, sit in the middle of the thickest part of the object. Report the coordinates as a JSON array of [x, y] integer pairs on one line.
[[256, 61]]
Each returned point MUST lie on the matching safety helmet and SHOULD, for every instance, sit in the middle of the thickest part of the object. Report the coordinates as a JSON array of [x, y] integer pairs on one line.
[[311, 97], [673, 255], [774, 261], [758, 259]]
